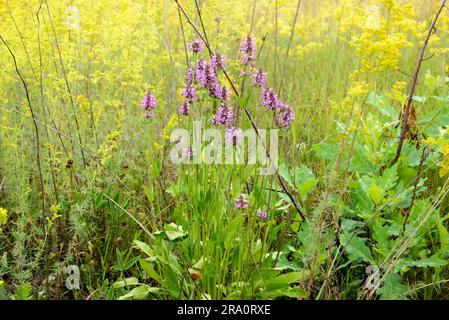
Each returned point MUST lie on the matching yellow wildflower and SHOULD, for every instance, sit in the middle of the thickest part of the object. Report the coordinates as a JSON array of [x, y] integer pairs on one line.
[[3, 216]]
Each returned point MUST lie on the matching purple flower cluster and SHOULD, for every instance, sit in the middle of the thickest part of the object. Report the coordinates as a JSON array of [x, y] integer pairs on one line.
[[209, 80], [262, 214], [269, 99], [259, 78], [225, 115], [189, 93], [248, 48], [218, 61], [284, 113], [184, 109], [233, 136], [205, 76], [196, 46], [285, 116], [189, 77], [148, 104], [241, 203], [200, 73]]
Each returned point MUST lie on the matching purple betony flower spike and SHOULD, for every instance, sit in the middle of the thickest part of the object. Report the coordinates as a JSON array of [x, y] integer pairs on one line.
[[241, 202], [184, 109], [195, 46], [189, 77], [200, 73], [248, 48], [259, 78], [262, 214], [148, 104], [269, 99], [224, 115], [218, 61], [285, 116], [148, 101], [233, 136]]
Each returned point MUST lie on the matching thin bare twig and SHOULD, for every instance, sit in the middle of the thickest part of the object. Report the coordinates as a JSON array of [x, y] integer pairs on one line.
[[288, 47], [36, 129], [405, 117], [69, 91]]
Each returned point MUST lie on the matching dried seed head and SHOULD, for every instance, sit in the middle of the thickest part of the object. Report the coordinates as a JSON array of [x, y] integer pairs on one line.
[[195, 275]]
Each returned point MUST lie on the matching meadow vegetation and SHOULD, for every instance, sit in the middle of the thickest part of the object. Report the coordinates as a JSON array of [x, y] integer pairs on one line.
[[91, 90]]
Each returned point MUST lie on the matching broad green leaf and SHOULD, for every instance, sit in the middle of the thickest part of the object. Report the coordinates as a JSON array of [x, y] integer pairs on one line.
[[171, 281], [356, 247], [199, 264], [361, 163], [231, 230], [361, 199], [149, 270], [139, 293], [389, 178], [129, 263], [381, 104], [149, 193], [174, 232], [380, 235], [349, 225], [285, 174], [326, 151], [376, 193], [132, 281], [285, 279], [305, 181], [443, 235], [290, 292], [145, 248], [407, 174], [392, 288]]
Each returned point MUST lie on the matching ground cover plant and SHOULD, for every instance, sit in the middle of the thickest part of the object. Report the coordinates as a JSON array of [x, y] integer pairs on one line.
[[123, 130]]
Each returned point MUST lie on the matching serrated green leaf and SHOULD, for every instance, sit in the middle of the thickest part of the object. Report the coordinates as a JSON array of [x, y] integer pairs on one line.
[[149, 270], [432, 262], [356, 247], [376, 193]]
